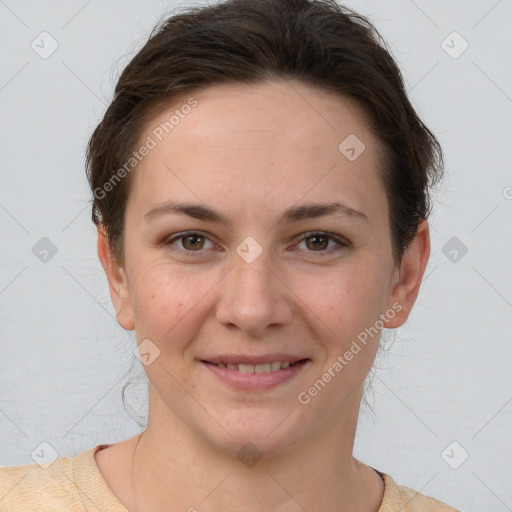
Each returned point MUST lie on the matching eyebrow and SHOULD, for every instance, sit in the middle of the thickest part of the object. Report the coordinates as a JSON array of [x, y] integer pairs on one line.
[[294, 214]]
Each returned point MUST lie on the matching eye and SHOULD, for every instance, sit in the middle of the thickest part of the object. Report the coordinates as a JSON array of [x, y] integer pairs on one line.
[[191, 242], [319, 242]]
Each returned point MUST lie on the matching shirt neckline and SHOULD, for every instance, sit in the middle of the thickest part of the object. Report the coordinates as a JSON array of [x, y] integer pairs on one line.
[[88, 476]]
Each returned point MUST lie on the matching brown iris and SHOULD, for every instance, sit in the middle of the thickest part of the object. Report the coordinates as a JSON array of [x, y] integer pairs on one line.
[[194, 244], [317, 245]]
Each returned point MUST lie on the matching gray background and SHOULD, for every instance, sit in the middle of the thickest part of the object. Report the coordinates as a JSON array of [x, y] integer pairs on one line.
[[445, 379]]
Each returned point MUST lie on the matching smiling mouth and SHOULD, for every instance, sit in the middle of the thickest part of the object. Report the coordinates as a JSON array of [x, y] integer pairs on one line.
[[274, 366]]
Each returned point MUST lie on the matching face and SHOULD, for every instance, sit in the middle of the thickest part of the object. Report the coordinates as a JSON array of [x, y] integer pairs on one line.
[[252, 236]]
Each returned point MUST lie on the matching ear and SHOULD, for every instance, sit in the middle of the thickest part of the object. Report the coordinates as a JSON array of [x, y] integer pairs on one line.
[[117, 282], [408, 277]]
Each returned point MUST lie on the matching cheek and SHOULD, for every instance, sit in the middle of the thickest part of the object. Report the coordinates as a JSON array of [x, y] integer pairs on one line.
[[167, 301], [346, 300], [349, 304]]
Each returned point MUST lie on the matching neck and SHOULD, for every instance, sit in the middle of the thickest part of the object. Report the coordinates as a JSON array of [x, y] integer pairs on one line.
[[173, 468]]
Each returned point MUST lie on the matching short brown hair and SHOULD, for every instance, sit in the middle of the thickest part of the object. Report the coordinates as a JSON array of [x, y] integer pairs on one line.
[[247, 41]]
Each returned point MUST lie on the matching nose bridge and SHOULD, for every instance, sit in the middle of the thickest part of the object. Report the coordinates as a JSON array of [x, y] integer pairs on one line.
[[252, 296], [252, 275]]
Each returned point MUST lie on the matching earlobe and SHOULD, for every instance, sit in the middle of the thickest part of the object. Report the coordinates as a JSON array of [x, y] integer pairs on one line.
[[117, 282], [410, 274]]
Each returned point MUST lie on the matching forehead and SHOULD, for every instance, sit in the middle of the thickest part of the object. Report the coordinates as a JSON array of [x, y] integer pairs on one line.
[[288, 108], [283, 139]]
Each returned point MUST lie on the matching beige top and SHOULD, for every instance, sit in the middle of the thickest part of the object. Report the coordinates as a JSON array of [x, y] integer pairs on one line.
[[75, 484]]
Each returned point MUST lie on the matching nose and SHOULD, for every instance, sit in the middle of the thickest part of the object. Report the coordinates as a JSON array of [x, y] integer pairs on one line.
[[254, 297]]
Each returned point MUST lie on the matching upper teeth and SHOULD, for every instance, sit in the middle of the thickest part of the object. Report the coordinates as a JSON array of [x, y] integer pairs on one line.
[[257, 368]]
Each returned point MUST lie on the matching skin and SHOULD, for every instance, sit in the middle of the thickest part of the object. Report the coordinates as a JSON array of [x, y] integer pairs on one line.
[[250, 153]]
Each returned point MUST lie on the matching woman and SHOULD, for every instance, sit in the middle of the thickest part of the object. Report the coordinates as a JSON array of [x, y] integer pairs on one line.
[[261, 193]]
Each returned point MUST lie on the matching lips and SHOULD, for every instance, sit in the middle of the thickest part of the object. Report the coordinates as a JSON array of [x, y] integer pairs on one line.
[[255, 373]]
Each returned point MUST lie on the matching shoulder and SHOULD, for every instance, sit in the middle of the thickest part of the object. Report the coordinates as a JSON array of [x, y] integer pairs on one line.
[[43, 488], [398, 497], [67, 484]]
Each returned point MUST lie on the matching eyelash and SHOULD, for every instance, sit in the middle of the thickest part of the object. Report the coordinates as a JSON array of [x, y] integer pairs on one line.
[[312, 234]]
